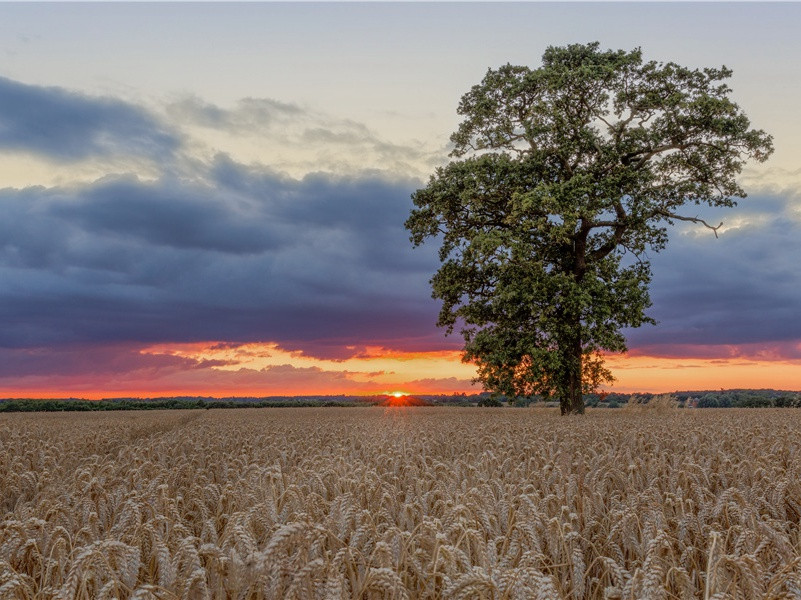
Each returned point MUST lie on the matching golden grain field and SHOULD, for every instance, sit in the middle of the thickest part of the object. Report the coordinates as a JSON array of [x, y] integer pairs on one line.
[[401, 503]]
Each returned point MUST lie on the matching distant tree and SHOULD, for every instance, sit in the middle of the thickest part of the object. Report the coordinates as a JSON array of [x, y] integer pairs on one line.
[[783, 402], [489, 401], [558, 172], [726, 400]]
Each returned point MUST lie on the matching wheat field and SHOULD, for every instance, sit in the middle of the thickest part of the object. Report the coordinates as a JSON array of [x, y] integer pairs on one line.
[[401, 503]]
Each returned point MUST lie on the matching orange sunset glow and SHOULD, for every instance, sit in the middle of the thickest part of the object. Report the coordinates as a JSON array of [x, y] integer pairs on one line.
[[654, 374], [224, 370]]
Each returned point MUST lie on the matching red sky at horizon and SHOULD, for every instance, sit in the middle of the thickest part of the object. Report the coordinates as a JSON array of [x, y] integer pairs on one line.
[[224, 370]]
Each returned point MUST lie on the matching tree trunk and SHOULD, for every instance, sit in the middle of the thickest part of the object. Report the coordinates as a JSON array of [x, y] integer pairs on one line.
[[571, 400]]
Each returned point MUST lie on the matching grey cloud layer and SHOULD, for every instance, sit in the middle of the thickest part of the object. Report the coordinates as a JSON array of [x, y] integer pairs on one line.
[[67, 126], [322, 263], [744, 288], [248, 256]]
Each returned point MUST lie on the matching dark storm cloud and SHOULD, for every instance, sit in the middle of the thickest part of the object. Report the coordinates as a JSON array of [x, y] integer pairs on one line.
[[743, 288], [170, 213], [89, 361], [315, 264], [67, 126], [324, 265]]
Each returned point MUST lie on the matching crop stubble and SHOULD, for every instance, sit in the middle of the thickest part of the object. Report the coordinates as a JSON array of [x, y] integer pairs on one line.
[[401, 503]]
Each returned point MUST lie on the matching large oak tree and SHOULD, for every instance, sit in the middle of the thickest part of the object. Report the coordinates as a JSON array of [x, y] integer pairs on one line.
[[562, 176]]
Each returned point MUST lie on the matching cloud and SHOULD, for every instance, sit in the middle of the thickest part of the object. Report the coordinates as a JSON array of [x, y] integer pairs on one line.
[[67, 126], [444, 385], [87, 361], [240, 254], [170, 213], [92, 370], [55, 128], [725, 353], [299, 139], [323, 265], [250, 114], [741, 289]]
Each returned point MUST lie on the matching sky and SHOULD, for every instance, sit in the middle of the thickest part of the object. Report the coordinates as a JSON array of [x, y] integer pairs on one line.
[[208, 199]]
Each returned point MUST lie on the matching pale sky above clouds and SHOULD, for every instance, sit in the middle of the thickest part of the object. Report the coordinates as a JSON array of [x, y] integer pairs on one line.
[[377, 75]]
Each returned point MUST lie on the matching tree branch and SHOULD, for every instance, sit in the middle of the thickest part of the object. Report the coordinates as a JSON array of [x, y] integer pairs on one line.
[[670, 215], [617, 236], [648, 154]]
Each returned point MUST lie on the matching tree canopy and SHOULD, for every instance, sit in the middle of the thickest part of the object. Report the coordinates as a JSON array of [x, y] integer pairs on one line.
[[562, 177]]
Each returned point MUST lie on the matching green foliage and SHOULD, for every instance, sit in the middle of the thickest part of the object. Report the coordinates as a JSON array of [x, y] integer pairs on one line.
[[559, 172]]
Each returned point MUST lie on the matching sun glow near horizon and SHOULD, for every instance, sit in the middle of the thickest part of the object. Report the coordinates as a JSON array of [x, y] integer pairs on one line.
[[215, 369]]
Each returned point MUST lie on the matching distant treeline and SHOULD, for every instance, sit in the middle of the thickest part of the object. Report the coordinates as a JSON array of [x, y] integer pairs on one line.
[[206, 402], [688, 399], [34, 405], [742, 399]]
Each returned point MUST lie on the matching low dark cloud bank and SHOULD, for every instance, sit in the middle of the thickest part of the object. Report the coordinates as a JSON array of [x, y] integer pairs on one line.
[[92, 361], [247, 256], [323, 263], [241, 253]]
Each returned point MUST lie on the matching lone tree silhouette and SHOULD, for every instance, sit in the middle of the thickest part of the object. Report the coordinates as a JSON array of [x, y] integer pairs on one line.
[[559, 172]]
